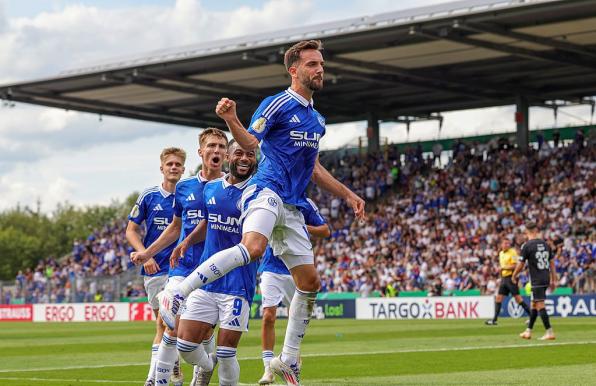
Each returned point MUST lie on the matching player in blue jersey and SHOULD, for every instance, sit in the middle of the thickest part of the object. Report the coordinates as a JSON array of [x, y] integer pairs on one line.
[[226, 300], [288, 129], [189, 210], [154, 207], [277, 286]]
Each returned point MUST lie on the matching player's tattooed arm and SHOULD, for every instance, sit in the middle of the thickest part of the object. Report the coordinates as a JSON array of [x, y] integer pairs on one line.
[[226, 110], [196, 236], [325, 180], [168, 236]]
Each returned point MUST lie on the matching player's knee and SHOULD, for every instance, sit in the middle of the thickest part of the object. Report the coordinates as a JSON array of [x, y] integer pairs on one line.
[[269, 316], [312, 283], [256, 249]]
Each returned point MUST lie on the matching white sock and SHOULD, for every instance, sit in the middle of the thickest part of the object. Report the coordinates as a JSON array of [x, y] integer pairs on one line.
[[154, 349], [214, 268], [209, 344], [166, 357], [267, 356], [194, 354], [298, 319], [229, 369]]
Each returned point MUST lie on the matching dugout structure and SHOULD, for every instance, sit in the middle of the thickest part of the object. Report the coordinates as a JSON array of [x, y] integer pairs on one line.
[[392, 67]]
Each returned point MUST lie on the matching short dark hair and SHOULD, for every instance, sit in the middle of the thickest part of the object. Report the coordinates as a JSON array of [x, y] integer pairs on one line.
[[292, 55], [531, 226]]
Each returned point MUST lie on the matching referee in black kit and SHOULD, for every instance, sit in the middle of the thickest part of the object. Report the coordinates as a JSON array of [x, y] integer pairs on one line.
[[539, 257]]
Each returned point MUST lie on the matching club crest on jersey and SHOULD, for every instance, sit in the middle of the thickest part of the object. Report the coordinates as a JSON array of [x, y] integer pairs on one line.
[[259, 125], [135, 211], [272, 201]]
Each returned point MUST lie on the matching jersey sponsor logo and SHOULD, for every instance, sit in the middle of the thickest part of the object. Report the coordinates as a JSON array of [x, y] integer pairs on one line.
[[225, 224], [259, 125], [161, 223], [191, 197], [211, 201], [158, 207], [305, 139], [135, 211], [194, 213], [295, 119]]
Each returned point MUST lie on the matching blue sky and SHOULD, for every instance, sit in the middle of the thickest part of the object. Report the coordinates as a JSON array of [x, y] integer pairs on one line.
[[68, 156]]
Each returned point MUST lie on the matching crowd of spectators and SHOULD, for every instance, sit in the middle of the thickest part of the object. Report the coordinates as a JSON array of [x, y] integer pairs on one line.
[[89, 273], [431, 227], [439, 228]]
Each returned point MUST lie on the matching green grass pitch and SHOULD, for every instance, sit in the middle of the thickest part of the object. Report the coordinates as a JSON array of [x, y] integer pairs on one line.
[[338, 352]]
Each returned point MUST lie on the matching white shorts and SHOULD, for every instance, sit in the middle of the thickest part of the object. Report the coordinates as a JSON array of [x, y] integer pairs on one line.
[[231, 312], [285, 229], [173, 281], [277, 288], [153, 286]]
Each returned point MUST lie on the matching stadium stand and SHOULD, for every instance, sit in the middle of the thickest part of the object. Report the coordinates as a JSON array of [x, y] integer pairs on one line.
[[433, 229]]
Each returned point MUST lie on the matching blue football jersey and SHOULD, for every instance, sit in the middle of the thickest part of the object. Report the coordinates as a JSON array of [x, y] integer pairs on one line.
[[223, 232], [190, 207], [289, 129], [272, 263], [154, 207]]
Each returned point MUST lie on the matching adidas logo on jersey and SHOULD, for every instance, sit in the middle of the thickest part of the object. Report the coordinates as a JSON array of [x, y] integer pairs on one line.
[[234, 323], [191, 197], [211, 201], [158, 207], [295, 119]]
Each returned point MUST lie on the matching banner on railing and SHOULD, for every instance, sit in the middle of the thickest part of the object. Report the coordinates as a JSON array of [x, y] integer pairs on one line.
[[460, 307], [81, 312], [324, 309], [16, 313], [563, 306]]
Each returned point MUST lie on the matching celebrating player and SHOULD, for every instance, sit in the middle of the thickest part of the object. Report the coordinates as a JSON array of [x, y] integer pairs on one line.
[[154, 208], [289, 129], [277, 286], [508, 257], [226, 300], [539, 258], [189, 210]]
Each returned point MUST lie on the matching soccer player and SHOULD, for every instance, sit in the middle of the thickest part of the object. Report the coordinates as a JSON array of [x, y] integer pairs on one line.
[[289, 129], [277, 286], [508, 257], [154, 207], [189, 210], [226, 300], [538, 256]]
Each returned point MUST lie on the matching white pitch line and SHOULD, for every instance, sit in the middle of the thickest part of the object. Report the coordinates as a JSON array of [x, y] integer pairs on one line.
[[405, 351], [64, 380]]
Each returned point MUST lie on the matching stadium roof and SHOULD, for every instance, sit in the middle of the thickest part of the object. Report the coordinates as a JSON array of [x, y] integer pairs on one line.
[[417, 62]]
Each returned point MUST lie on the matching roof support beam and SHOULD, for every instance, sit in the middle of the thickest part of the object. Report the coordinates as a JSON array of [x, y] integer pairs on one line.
[[221, 88], [561, 58], [545, 41], [470, 89], [79, 103]]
